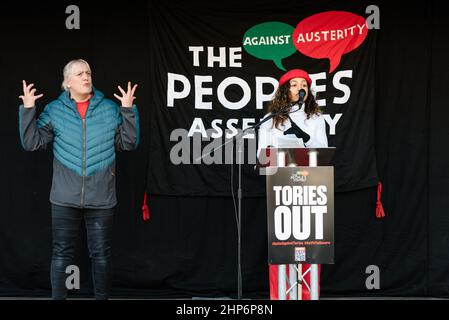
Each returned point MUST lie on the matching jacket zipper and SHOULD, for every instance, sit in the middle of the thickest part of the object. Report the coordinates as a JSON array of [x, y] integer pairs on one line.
[[84, 162]]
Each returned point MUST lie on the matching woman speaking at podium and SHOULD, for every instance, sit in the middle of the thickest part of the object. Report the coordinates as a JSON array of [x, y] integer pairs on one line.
[[296, 121]]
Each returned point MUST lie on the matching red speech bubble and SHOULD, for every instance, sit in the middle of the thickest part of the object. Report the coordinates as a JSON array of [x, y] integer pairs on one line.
[[330, 35]]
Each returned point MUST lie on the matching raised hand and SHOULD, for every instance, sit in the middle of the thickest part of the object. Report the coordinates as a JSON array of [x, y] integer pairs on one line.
[[29, 98], [127, 97]]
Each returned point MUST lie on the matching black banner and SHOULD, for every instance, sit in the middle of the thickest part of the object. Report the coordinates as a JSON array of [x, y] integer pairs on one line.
[[215, 68]]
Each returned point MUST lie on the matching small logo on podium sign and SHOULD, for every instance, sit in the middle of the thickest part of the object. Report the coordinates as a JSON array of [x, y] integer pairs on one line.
[[300, 254], [299, 176]]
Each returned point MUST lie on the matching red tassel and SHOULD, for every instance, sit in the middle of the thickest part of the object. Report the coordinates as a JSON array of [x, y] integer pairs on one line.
[[145, 208], [379, 208]]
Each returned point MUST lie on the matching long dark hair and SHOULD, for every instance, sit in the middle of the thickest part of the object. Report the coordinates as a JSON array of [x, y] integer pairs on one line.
[[281, 99]]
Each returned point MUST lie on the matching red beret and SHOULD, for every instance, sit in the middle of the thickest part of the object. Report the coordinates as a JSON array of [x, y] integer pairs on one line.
[[295, 73]]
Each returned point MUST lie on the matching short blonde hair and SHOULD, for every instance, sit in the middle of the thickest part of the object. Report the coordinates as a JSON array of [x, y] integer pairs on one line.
[[67, 71]]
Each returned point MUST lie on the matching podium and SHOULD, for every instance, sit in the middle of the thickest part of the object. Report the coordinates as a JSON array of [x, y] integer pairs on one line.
[[300, 213]]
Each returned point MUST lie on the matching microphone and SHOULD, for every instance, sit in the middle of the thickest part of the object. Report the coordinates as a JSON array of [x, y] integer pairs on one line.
[[286, 109], [302, 94]]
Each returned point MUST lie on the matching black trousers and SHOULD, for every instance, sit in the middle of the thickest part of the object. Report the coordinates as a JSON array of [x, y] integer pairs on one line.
[[65, 230]]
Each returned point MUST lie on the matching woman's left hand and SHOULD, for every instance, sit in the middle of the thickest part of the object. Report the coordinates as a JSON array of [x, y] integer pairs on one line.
[[127, 98]]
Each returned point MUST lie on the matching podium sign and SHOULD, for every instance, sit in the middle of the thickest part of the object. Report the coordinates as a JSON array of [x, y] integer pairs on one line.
[[300, 205]]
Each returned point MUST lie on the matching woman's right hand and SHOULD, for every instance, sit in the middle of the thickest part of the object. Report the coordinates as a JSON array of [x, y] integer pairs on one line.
[[28, 97]]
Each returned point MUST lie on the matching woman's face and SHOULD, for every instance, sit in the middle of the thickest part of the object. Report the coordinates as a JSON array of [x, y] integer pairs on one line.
[[80, 81], [297, 84]]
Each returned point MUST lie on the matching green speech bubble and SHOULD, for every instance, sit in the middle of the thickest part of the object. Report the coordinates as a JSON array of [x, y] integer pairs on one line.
[[270, 41]]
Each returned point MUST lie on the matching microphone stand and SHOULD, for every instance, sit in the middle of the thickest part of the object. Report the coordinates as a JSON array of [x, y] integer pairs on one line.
[[238, 137]]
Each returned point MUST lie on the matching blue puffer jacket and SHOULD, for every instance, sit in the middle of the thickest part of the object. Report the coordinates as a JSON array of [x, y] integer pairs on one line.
[[84, 149]]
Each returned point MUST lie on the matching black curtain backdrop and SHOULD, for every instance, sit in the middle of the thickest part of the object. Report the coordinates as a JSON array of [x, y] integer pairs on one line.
[[189, 245], [175, 29]]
